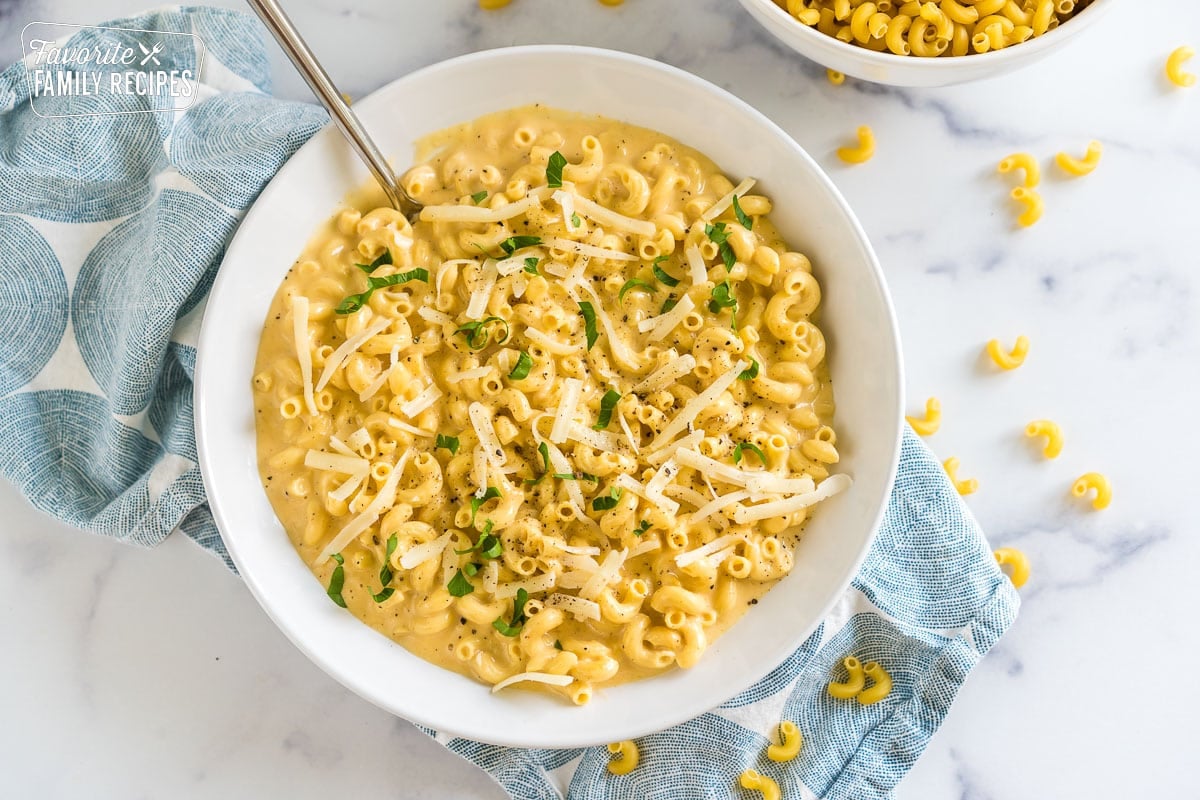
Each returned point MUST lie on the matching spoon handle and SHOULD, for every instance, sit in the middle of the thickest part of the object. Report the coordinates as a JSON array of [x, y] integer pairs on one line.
[[277, 22]]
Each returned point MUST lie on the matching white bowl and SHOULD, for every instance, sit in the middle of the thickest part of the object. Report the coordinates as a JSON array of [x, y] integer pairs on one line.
[[857, 317], [897, 70]]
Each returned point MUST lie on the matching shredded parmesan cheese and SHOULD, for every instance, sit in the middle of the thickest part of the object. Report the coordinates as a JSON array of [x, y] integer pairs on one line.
[[704, 550], [382, 502], [645, 546], [349, 485], [482, 293], [607, 217], [663, 324], [553, 344], [329, 462], [713, 506], [481, 422], [515, 263], [479, 470], [663, 503], [566, 201], [377, 384], [359, 439], [491, 576], [349, 347], [620, 350], [718, 208], [568, 401], [579, 248], [433, 315], [578, 551], [341, 447], [697, 269], [697, 404], [413, 429], [600, 440], [418, 554], [668, 373], [689, 442], [304, 349], [468, 374], [628, 433], [428, 396], [538, 583], [609, 570], [825, 489], [577, 606], [464, 213], [533, 677]]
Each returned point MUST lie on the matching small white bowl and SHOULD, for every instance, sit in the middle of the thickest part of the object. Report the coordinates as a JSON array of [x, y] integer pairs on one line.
[[857, 317], [895, 70]]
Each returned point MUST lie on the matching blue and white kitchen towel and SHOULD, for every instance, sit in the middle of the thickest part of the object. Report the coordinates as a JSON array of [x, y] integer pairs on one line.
[[112, 229]]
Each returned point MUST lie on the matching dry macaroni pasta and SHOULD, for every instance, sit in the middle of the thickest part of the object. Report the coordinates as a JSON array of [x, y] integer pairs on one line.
[[562, 430], [930, 29]]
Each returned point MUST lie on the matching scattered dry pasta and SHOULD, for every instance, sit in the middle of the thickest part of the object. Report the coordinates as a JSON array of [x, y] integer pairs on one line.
[[1034, 206], [931, 29], [1012, 359], [1051, 432], [880, 688], [1175, 72], [862, 151], [931, 422], [835, 77], [1017, 563], [790, 742], [855, 680], [626, 760], [753, 780], [1079, 167], [963, 487], [1027, 164], [1094, 481]]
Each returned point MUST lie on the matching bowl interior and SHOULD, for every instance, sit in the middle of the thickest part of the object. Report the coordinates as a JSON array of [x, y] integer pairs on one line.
[[857, 319]]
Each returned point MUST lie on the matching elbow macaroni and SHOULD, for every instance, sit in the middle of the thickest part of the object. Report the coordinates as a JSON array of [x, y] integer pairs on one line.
[[1081, 166], [861, 152], [1175, 71], [1017, 562], [962, 486], [1034, 206], [880, 687], [750, 779], [1094, 481], [1051, 432], [790, 742], [1027, 164], [931, 422], [626, 760], [932, 29], [456, 458], [855, 680], [1008, 360]]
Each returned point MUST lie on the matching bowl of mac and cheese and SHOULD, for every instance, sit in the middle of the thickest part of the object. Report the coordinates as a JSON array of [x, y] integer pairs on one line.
[[586, 448], [925, 43]]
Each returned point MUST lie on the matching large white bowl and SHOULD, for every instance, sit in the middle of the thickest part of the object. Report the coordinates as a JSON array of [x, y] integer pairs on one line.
[[897, 70], [857, 317]]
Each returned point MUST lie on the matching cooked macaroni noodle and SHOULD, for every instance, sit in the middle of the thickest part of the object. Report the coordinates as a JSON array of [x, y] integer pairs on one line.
[[1017, 562], [1052, 433], [790, 742], [931, 422], [1081, 166], [1175, 71], [1094, 481], [1012, 359], [626, 759], [754, 781], [880, 687], [962, 486], [931, 29], [575, 422], [861, 152]]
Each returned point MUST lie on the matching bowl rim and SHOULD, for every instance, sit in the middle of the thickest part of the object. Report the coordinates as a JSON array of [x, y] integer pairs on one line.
[[1027, 49], [224, 515]]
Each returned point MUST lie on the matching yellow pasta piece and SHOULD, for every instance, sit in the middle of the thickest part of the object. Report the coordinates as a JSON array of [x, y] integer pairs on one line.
[[931, 422], [880, 688], [1094, 481], [963, 487], [1053, 434], [790, 742], [1034, 207], [492, 5], [1081, 166], [1175, 62], [1017, 562], [854, 683], [1012, 359], [835, 77], [863, 151], [752, 780], [626, 760], [1024, 162]]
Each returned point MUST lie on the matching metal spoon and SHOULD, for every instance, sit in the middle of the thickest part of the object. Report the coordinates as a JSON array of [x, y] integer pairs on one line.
[[277, 22]]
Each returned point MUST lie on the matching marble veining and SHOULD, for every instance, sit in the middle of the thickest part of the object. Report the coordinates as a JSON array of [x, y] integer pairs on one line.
[[131, 673]]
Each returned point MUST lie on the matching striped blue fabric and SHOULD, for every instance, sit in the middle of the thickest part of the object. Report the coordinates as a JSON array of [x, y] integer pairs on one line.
[[111, 232]]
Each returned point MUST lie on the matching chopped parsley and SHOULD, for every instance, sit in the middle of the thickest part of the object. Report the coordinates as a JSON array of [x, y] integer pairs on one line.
[[589, 322], [531, 265], [737, 452], [576, 476], [663, 276], [479, 333], [520, 370], [384, 258], [337, 580], [750, 373], [488, 545], [479, 197], [557, 644], [668, 304], [477, 502], [607, 404], [554, 168], [459, 586], [356, 301], [722, 297], [513, 627], [545, 451], [642, 527], [447, 443], [576, 221], [514, 243], [633, 283], [608, 501], [385, 572], [720, 237], [747, 223]]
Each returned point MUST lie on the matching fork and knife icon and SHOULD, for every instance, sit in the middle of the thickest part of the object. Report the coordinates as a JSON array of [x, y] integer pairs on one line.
[[150, 55]]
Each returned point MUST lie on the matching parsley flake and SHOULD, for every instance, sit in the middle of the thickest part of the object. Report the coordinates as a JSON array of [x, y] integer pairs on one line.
[[521, 370], [737, 452], [607, 403], [554, 168], [589, 322]]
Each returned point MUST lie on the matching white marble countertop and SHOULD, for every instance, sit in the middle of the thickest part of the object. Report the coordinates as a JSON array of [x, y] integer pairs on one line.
[[130, 673]]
